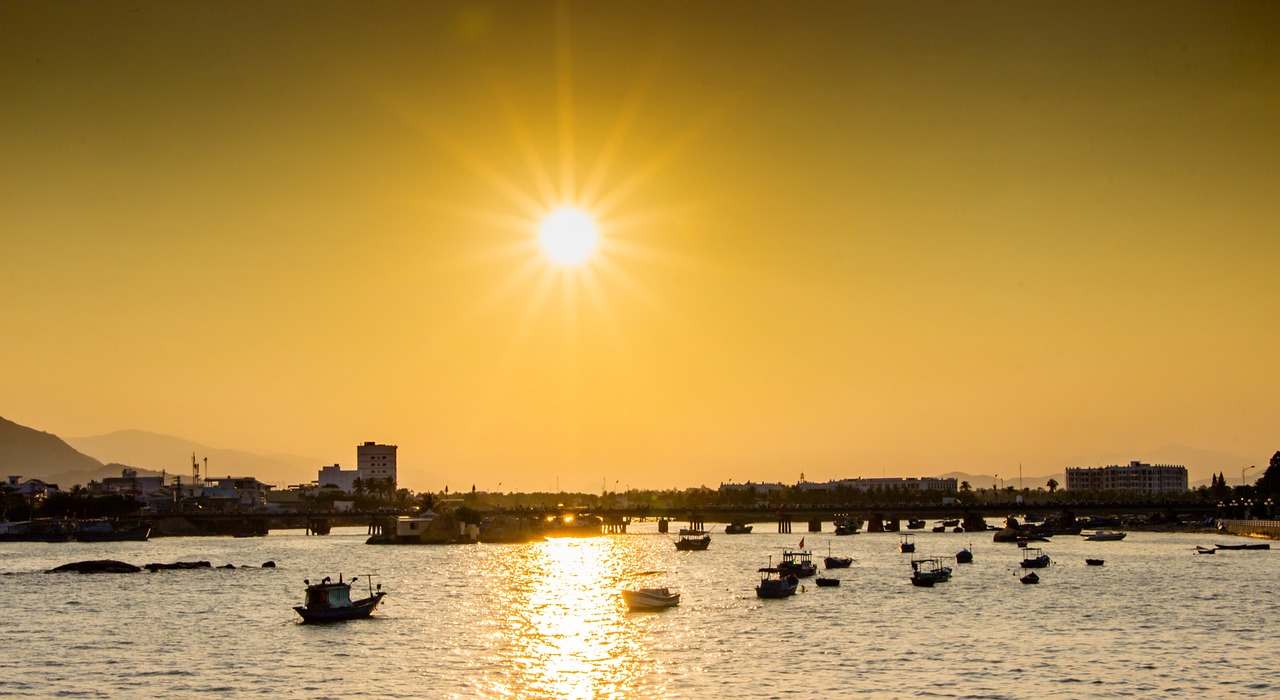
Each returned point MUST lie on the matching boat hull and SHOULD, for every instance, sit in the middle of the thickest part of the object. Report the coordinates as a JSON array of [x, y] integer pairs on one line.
[[650, 599], [357, 610]]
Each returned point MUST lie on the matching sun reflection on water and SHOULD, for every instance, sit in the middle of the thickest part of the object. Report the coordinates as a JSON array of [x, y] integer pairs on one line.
[[566, 634]]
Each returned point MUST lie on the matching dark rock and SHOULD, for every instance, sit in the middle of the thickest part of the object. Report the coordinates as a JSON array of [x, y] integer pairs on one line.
[[269, 565], [228, 566], [178, 565], [100, 566]]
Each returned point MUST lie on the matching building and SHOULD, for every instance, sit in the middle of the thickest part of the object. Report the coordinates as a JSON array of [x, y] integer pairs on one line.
[[1135, 477], [373, 462], [129, 484], [335, 475], [243, 491], [32, 489], [947, 485]]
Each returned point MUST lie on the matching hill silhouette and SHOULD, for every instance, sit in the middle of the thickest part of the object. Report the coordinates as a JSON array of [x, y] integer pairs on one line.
[[33, 454]]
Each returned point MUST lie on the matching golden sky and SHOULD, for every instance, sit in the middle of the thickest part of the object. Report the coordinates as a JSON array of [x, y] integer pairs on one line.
[[837, 238]]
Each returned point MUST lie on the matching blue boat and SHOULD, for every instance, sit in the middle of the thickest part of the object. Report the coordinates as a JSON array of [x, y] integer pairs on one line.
[[330, 601]]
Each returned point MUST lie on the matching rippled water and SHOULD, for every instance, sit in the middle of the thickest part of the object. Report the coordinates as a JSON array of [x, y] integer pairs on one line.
[[546, 621]]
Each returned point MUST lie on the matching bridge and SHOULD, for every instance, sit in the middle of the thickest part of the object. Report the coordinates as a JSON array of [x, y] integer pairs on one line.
[[615, 520]]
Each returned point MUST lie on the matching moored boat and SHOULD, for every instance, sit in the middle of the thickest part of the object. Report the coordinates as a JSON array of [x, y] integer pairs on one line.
[[737, 529], [1104, 536], [834, 562], [827, 582], [1243, 546], [965, 556], [776, 583], [932, 566], [798, 563], [1095, 562], [650, 598], [330, 601], [693, 544], [1034, 558], [907, 544], [1030, 578]]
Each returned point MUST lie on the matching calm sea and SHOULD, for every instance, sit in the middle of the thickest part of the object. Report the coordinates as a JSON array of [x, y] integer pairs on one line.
[[546, 621]]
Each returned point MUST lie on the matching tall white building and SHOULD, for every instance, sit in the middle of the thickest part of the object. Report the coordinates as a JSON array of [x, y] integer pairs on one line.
[[374, 461]]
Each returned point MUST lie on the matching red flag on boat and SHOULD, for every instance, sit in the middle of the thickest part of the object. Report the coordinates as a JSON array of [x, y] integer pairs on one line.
[[801, 543]]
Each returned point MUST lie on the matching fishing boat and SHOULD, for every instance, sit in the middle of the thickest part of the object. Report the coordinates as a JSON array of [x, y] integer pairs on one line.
[[932, 566], [693, 544], [907, 544], [1104, 536], [1034, 558], [1030, 578], [798, 563], [923, 579], [776, 583], [827, 582], [1095, 562], [965, 556], [847, 526], [650, 598], [915, 524], [1243, 546], [737, 529], [330, 601], [1205, 550], [833, 562]]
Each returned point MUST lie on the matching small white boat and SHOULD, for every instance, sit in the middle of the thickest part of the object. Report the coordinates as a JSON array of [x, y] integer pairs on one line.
[[650, 598], [1105, 536]]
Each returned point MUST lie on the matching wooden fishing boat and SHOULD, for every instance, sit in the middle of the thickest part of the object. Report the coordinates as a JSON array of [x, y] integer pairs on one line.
[[330, 601], [776, 583]]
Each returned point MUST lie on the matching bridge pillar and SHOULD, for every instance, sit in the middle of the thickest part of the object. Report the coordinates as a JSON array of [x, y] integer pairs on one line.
[[784, 524], [875, 523], [664, 525], [696, 523], [815, 526], [616, 525]]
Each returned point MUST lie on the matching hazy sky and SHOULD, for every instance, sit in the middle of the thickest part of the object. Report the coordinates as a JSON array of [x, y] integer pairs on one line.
[[838, 238]]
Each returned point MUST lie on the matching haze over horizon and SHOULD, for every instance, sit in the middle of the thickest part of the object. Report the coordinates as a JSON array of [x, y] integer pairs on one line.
[[865, 238]]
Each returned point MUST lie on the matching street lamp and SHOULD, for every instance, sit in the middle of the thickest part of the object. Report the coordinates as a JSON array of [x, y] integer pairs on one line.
[[1242, 471]]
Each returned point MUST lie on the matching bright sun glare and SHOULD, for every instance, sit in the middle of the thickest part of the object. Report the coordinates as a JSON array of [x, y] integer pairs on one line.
[[568, 236]]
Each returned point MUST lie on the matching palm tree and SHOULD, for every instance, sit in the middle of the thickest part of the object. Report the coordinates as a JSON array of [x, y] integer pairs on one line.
[[1052, 484], [966, 486]]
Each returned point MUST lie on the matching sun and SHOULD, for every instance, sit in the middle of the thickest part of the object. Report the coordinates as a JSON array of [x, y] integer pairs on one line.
[[568, 236]]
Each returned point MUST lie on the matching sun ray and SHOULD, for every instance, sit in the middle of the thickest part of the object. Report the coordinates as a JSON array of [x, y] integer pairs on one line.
[[524, 141], [564, 93], [617, 136]]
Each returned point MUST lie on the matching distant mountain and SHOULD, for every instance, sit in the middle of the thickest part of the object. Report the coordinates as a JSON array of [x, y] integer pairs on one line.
[[33, 454], [141, 449]]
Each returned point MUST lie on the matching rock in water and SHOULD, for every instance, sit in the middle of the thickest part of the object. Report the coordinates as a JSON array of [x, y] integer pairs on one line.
[[100, 566]]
